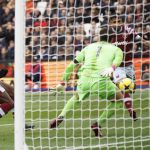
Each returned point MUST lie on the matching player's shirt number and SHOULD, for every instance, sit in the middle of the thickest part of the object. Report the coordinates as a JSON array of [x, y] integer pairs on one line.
[[98, 51]]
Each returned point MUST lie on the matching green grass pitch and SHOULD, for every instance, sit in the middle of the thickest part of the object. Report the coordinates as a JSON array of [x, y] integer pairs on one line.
[[120, 132]]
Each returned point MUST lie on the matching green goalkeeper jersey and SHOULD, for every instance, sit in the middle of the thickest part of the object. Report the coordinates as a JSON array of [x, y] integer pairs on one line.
[[96, 57]]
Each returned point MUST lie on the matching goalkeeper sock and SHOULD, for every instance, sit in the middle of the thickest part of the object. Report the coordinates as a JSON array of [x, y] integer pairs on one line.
[[128, 102], [5, 108], [109, 112], [69, 106]]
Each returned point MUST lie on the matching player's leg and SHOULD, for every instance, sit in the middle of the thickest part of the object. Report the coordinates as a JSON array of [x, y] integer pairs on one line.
[[71, 104], [109, 112], [109, 90], [6, 102], [128, 100], [119, 74]]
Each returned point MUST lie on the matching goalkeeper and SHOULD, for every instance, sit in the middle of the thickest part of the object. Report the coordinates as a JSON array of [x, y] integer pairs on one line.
[[99, 62]]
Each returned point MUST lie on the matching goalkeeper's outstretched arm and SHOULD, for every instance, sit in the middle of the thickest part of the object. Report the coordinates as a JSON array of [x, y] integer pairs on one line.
[[66, 76], [69, 70]]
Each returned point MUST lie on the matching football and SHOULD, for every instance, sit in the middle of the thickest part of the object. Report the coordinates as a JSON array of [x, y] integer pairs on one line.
[[126, 85]]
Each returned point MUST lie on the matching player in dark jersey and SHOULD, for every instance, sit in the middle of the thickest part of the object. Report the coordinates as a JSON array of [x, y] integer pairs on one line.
[[7, 98], [6, 95], [122, 36]]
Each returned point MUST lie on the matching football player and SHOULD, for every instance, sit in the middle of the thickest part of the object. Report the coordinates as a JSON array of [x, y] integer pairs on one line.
[[123, 37], [99, 62], [7, 98]]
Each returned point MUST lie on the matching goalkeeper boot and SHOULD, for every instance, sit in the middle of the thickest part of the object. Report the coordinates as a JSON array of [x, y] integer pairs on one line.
[[133, 115], [55, 123], [96, 129]]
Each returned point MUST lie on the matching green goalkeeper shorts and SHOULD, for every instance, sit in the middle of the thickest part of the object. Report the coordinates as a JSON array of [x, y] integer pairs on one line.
[[103, 87]]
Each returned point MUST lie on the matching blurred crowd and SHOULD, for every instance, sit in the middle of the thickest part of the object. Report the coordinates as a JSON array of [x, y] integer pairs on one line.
[[7, 15], [58, 30]]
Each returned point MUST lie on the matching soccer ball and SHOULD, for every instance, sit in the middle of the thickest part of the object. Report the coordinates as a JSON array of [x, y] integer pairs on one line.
[[126, 85]]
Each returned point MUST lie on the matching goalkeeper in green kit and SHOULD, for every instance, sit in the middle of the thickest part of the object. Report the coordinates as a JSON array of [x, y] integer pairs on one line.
[[99, 61]]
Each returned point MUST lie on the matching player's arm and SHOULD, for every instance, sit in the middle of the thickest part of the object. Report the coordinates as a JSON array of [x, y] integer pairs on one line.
[[69, 70], [116, 62]]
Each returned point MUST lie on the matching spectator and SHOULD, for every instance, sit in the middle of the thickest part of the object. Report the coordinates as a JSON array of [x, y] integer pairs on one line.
[[3, 53], [67, 22], [138, 13], [11, 51], [146, 72], [129, 10], [147, 33], [129, 21], [33, 74], [87, 41], [69, 51], [79, 14]]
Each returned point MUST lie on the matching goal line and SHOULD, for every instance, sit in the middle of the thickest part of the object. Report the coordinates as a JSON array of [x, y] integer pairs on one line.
[[118, 144]]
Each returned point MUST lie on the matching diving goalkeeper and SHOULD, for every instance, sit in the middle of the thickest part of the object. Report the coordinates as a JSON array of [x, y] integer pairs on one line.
[[99, 62]]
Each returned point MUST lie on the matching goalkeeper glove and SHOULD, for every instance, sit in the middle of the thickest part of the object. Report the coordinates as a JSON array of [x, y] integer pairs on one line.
[[60, 87], [3, 73], [108, 71]]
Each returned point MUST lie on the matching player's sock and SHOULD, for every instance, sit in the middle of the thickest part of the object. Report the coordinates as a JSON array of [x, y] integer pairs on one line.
[[5, 108], [128, 102], [109, 112], [129, 106], [55, 123], [96, 129]]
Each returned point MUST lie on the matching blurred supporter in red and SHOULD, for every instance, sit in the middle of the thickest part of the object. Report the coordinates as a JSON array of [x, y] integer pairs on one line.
[[35, 75]]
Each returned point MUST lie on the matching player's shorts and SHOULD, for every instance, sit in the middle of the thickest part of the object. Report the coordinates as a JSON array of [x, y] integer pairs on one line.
[[124, 72], [103, 87]]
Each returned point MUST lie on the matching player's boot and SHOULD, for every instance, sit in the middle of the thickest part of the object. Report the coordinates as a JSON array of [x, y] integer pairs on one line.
[[29, 127], [55, 123], [96, 129], [133, 115]]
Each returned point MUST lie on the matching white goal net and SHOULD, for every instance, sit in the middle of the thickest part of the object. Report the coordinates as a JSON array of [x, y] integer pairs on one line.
[[55, 33]]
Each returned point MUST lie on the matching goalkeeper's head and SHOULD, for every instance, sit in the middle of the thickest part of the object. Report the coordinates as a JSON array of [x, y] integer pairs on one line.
[[115, 22]]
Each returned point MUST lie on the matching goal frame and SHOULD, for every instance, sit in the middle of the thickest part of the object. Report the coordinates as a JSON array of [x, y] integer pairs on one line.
[[19, 122]]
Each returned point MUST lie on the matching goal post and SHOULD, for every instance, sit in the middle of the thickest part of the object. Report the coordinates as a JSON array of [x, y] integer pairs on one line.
[[48, 36], [19, 123]]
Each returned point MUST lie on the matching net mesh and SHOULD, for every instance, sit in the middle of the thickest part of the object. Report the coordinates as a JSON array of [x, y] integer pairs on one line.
[[56, 31]]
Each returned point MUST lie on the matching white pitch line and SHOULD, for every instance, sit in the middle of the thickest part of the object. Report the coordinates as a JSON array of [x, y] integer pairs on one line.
[[108, 144], [5, 125]]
